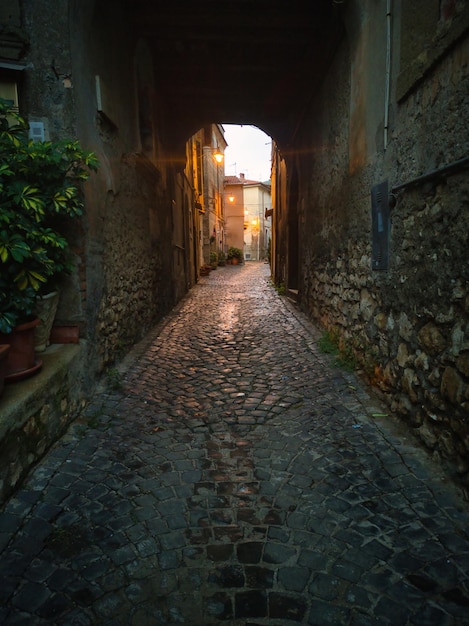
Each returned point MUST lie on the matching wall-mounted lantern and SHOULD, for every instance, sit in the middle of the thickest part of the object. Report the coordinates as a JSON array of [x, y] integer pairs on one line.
[[218, 156]]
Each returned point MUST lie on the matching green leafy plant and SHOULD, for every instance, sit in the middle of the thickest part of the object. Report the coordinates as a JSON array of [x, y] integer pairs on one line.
[[281, 289], [328, 343], [114, 379], [331, 343], [234, 253], [39, 189], [353, 354]]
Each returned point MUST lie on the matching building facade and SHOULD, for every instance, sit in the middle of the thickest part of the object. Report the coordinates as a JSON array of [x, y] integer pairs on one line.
[[213, 171], [204, 171], [257, 224], [248, 207]]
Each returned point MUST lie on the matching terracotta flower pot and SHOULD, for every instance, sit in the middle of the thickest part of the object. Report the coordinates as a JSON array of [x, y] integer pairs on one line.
[[21, 361]]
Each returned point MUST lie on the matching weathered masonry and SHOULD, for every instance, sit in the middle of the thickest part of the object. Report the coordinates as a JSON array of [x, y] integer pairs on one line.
[[367, 103], [373, 211]]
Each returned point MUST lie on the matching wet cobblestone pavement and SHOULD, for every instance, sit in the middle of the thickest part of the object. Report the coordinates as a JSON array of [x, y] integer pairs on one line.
[[234, 477]]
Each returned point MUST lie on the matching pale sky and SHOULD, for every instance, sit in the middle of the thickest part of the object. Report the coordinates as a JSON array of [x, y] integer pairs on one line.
[[248, 152]]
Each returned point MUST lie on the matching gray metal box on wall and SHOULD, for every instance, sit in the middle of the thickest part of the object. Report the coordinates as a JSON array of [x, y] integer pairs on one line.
[[380, 226]]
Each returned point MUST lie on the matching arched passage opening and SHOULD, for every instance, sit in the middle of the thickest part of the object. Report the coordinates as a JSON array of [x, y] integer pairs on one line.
[[236, 62], [247, 191]]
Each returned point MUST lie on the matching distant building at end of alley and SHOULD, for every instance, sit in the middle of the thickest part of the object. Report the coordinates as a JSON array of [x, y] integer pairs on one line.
[[248, 205]]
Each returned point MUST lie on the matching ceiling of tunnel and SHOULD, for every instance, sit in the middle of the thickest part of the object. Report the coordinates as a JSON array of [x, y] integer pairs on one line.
[[238, 61]]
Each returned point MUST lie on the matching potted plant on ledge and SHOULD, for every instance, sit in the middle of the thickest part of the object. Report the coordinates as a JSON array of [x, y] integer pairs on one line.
[[39, 191], [234, 255]]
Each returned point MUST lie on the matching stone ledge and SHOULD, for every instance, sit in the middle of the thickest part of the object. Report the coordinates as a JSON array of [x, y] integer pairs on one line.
[[36, 411]]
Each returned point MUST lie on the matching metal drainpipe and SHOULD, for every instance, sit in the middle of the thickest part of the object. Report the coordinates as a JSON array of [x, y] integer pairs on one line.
[[388, 72]]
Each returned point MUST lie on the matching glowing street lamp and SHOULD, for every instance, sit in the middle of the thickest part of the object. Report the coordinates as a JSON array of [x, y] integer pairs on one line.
[[218, 156]]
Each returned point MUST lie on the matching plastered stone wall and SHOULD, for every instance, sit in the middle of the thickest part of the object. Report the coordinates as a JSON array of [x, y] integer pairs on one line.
[[129, 205], [407, 327], [129, 250], [46, 87]]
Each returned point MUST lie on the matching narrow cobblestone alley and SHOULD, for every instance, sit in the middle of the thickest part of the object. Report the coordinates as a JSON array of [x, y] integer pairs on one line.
[[230, 474]]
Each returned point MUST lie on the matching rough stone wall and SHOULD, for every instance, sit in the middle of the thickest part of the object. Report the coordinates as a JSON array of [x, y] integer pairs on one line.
[[36, 413], [429, 292], [135, 256], [407, 327]]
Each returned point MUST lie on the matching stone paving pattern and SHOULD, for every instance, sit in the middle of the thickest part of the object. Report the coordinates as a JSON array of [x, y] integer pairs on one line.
[[230, 474]]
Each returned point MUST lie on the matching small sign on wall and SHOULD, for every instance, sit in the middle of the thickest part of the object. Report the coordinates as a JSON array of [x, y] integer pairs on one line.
[[36, 131], [39, 129]]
